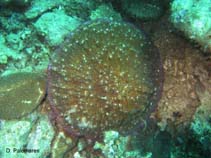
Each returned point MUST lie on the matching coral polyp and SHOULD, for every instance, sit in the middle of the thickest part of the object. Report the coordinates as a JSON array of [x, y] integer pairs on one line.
[[106, 76]]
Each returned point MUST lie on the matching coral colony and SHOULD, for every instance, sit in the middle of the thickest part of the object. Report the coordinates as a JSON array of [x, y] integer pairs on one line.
[[106, 76]]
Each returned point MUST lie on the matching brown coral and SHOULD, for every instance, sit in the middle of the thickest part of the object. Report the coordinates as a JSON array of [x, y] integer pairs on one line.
[[107, 75], [20, 94]]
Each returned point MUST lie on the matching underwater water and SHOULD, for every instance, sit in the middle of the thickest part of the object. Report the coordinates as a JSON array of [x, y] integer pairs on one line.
[[105, 79]]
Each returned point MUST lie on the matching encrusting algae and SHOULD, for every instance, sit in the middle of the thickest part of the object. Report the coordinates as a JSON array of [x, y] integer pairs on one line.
[[106, 76], [20, 94]]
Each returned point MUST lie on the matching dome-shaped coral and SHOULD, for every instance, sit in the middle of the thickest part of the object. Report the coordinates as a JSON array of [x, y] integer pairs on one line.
[[20, 94], [106, 76]]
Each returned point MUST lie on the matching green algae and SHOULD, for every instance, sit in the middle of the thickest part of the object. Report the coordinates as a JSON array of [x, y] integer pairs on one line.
[[20, 94]]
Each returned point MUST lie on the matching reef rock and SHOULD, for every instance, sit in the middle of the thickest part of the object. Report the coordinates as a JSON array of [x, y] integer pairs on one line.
[[143, 9], [184, 69], [20, 3], [193, 18], [38, 7], [55, 26], [28, 137], [105, 11]]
